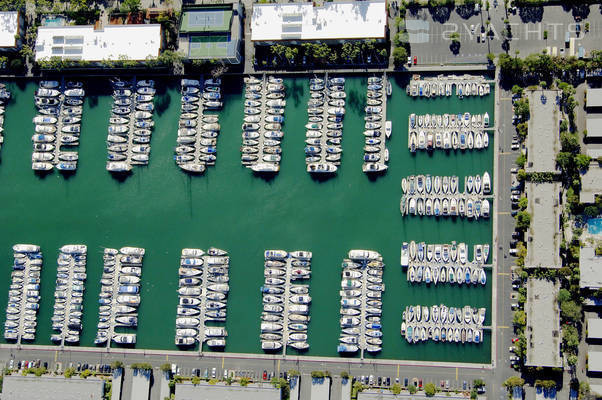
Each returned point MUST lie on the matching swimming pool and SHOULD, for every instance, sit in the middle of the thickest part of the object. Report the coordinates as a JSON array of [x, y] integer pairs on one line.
[[594, 226]]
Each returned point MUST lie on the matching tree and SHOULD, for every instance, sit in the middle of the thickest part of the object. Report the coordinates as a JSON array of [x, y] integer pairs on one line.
[[195, 380], [85, 373], [523, 203], [520, 318], [570, 310], [521, 160], [412, 389], [130, 6], [429, 389], [166, 367], [582, 161], [570, 336], [244, 381], [516, 89], [523, 220], [478, 383], [345, 375], [400, 55], [116, 365], [69, 372], [396, 388], [293, 372], [514, 381], [563, 295], [572, 360], [317, 374]]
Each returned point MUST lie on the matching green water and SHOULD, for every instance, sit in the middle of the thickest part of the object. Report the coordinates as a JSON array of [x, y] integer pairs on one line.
[[162, 209]]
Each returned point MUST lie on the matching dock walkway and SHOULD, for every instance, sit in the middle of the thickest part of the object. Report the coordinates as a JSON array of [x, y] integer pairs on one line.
[[28, 272]]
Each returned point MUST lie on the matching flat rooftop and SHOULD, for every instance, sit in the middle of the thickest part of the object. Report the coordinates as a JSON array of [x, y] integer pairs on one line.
[[204, 391], [140, 384], [594, 361], [113, 42], [543, 140], [320, 389], [18, 387], [594, 328], [9, 27], [594, 97], [543, 236], [591, 184], [593, 124], [590, 268], [543, 324], [332, 21]]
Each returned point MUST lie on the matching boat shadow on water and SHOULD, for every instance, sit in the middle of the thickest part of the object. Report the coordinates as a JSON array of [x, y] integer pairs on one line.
[[121, 176], [266, 176], [43, 174], [321, 178]]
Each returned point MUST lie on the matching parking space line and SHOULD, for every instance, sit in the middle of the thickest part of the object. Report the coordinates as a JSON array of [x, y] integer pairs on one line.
[[505, 98], [503, 213], [504, 273], [508, 153], [503, 327]]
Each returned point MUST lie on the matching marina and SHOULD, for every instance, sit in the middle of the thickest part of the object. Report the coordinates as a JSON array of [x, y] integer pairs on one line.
[[439, 196], [361, 305], [310, 210], [202, 297], [262, 127], [377, 129], [69, 294], [57, 125], [444, 263], [446, 85], [443, 324], [448, 131], [198, 130], [4, 98], [285, 317], [24, 294], [130, 125], [119, 297], [324, 129]]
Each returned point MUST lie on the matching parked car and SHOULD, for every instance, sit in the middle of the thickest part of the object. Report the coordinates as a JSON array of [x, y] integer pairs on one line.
[[514, 170], [511, 349], [409, 61], [415, 60], [515, 146], [514, 358], [514, 340], [514, 306]]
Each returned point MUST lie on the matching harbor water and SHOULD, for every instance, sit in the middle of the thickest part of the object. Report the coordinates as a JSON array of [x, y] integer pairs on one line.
[[164, 210]]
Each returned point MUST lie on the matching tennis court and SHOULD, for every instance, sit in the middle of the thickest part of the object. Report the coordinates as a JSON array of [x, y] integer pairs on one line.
[[209, 46], [208, 20]]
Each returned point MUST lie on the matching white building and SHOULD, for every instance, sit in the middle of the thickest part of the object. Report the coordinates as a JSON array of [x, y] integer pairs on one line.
[[332, 22], [113, 42]]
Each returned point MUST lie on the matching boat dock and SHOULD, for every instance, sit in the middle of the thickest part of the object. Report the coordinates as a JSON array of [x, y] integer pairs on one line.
[[377, 129], [24, 294], [203, 295], [448, 131], [69, 292], [119, 295], [440, 196], [443, 324], [445, 263], [446, 85], [286, 305], [4, 98], [361, 306], [324, 135], [58, 125], [131, 124], [262, 126], [198, 132]]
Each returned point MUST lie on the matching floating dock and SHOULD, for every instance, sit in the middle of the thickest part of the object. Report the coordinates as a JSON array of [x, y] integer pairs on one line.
[[324, 135], [262, 126], [377, 129], [69, 293], [119, 295], [361, 306], [57, 125], [440, 196], [4, 98], [203, 296], [131, 125], [24, 294], [446, 85], [448, 131], [286, 305], [443, 324], [197, 130], [444, 263]]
